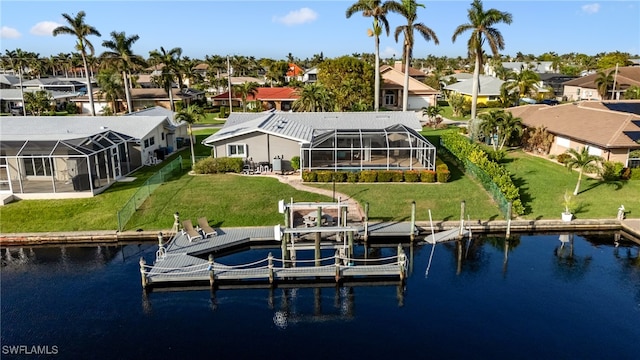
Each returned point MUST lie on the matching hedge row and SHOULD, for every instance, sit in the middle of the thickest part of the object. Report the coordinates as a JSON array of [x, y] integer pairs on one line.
[[489, 172], [220, 165], [369, 176]]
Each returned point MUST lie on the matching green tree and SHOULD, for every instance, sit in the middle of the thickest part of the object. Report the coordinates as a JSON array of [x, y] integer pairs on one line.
[[191, 114], [122, 58], [481, 24], [37, 102], [349, 79], [581, 160], [18, 60], [610, 60], [313, 97], [244, 90], [632, 92], [522, 82], [169, 72], [276, 72], [81, 30], [378, 11], [408, 10], [604, 81], [110, 87]]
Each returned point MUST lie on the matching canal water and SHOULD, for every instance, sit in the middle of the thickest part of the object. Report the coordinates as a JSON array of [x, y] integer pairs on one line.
[[559, 296]]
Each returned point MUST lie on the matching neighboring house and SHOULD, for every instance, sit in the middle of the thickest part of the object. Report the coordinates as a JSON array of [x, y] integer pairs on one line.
[[585, 88], [294, 72], [11, 98], [392, 86], [9, 81], [348, 141], [278, 98], [413, 72], [73, 85], [142, 98], [554, 81], [310, 76], [489, 88], [45, 157], [539, 67], [609, 129]]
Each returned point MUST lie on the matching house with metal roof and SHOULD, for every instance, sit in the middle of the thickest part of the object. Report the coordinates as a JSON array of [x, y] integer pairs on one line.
[[489, 88], [347, 141], [12, 98], [43, 157], [610, 129]]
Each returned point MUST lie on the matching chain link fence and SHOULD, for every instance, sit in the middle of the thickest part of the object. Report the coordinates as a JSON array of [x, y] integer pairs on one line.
[[126, 212]]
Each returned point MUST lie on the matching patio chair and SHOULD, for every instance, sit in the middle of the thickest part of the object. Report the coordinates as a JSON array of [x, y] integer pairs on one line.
[[206, 229], [192, 234]]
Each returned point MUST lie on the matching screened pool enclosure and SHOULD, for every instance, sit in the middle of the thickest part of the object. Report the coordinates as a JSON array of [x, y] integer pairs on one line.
[[394, 148], [86, 164]]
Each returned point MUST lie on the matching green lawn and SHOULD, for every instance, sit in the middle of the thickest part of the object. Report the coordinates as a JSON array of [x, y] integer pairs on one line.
[[212, 119]]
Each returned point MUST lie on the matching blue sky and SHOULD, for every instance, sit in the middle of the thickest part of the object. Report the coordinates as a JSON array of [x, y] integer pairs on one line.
[[275, 28]]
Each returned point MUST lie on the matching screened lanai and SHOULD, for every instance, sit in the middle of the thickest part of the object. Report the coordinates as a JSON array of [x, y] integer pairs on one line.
[[394, 148], [85, 164]]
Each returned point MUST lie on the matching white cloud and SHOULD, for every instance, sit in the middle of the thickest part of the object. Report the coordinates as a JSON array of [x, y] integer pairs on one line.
[[44, 28], [9, 33], [390, 52], [297, 17], [591, 8]]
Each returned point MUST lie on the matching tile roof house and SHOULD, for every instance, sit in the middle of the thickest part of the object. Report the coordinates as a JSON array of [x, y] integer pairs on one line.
[[610, 129], [392, 85], [278, 98], [294, 72], [141, 98], [585, 88], [326, 140]]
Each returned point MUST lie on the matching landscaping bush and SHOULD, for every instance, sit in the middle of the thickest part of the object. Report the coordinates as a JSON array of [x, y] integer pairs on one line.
[[497, 155], [353, 177], [625, 174], [324, 176], [385, 176], [441, 166], [635, 174], [368, 176], [295, 162], [396, 175], [443, 176], [205, 166], [218, 165], [427, 176], [339, 176], [223, 112], [611, 170], [411, 176], [562, 158], [309, 176]]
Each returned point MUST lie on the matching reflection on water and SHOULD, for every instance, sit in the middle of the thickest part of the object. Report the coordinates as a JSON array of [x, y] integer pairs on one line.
[[88, 302]]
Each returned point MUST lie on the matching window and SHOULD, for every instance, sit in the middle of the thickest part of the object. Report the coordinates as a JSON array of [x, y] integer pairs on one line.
[[389, 98], [149, 142], [162, 136], [37, 166], [146, 143], [236, 150]]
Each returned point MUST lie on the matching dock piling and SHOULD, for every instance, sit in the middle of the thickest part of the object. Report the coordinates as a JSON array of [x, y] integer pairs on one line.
[[462, 210], [143, 272], [337, 267], [366, 222], [270, 257], [412, 231], [509, 207], [212, 275]]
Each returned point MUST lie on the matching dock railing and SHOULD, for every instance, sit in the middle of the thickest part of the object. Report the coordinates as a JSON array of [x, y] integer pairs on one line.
[[140, 196]]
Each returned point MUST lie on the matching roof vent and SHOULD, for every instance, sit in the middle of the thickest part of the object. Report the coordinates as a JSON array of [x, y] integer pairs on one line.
[[103, 127]]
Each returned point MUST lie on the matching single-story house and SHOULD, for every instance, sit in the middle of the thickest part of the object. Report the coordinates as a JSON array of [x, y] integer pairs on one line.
[[45, 157], [489, 88], [392, 87], [585, 88], [141, 98], [278, 98], [73, 85], [610, 130], [347, 141], [8, 81], [11, 98]]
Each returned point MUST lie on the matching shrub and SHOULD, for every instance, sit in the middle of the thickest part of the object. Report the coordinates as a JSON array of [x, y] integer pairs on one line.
[[223, 112], [396, 175], [309, 176], [635, 174], [205, 166], [368, 176], [611, 170], [428, 176], [324, 176], [443, 176], [339, 176], [497, 155], [352, 177], [441, 166], [625, 174], [218, 165], [562, 158], [411, 176], [295, 162], [385, 176]]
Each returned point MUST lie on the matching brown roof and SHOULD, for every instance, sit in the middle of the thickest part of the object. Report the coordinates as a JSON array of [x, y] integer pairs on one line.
[[412, 71], [265, 94], [627, 76], [589, 121]]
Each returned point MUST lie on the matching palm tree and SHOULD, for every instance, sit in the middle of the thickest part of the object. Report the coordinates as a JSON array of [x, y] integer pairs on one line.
[[604, 81], [122, 58], [18, 60], [377, 10], [81, 30], [111, 87], [313, 97], [481, 26], [581, 160], [169, 60], [191, 114], [408, 9], [524, 81], [501, 126], [244, 90]]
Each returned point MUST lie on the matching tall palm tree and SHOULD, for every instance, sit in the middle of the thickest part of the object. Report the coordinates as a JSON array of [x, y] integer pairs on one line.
[[244, 90], [313, 97], [408, 10], [191, 114], [523, 82], [122, 58], [169, 73], [481, 24], [378, 11], [81, 30], [604, 81], [581, 160], [18, 60], [111, 87]]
